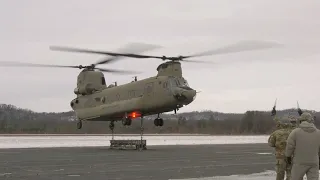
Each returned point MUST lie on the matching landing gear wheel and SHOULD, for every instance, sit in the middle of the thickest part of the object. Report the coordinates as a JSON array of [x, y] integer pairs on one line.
[[79, 124], [129, 121], [158, 122], [126, 121]]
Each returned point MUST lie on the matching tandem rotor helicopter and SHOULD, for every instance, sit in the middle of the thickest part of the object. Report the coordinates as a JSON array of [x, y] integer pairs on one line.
[[167, 91]]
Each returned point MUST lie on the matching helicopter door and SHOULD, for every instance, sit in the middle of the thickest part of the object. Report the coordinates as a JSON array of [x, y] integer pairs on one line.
[[148, 89]]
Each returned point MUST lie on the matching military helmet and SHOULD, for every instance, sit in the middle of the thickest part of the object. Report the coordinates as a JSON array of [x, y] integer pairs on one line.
[[293, 120], [284, 122], [277, 121], [306, 117]]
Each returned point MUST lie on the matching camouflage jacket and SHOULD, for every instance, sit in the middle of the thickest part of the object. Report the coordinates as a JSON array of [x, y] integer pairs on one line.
[[278, 140], [276, 119]]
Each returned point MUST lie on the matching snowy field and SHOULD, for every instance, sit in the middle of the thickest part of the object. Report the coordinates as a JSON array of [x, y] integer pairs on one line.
[[32, 141], [267, 175]]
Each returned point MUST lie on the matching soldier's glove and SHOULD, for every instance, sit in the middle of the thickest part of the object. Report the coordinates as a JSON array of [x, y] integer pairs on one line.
[[288, 160]]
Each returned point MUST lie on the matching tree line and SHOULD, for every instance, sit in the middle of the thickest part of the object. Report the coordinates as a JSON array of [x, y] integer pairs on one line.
[[14, 120]]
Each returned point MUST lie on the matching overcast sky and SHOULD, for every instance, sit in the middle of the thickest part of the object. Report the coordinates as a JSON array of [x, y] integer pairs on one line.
[[238, 82]]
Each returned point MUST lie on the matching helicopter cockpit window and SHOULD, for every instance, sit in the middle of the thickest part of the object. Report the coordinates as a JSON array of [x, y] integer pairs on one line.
[[173, 82], [184, 82], [179, 82]]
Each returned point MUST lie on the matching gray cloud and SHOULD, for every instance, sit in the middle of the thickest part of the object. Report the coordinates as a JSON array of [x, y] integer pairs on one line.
[[248, 80]]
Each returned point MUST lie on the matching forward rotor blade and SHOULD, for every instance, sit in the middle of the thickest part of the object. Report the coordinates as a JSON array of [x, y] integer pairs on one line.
[[69, 49], [130, 48], [137, 47], [21, 64], [238, 47], [117, 71]]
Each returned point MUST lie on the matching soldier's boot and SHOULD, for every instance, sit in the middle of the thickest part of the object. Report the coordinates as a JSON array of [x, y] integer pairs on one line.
[[280, 175]]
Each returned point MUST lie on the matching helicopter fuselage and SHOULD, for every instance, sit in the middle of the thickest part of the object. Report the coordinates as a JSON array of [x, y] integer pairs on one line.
[[167, 91], [145, 97]]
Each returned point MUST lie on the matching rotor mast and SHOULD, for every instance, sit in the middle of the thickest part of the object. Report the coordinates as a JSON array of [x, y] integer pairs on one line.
[[171, 68]]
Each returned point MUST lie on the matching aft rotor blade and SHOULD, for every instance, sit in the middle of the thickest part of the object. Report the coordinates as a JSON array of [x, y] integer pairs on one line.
[[238, 47], [117, 71], [21, 64], [79, 50], [196, 61]]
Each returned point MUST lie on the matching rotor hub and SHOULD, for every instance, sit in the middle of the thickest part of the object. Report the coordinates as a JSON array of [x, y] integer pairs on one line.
[[92, 66]]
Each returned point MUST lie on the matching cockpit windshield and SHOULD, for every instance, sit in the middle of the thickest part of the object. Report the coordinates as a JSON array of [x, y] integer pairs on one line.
[[179, 82], [184, 82]]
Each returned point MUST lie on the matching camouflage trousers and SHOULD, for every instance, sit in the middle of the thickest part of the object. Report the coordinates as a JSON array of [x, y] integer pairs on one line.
[[283, 170]]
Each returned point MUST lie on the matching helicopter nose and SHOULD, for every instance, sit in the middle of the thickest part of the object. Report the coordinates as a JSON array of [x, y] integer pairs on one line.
[[190, 95]]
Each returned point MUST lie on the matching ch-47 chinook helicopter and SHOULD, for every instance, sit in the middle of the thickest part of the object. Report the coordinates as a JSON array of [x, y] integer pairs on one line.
[[167, 91]]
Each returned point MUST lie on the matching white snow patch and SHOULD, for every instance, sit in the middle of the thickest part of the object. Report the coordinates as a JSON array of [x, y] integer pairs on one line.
[[20, 141], [264, 153], [267, 175], [4, 174]]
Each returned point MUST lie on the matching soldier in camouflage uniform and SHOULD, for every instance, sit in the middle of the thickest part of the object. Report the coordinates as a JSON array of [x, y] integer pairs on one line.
[[277, 121], [278, 140], [294, 122]]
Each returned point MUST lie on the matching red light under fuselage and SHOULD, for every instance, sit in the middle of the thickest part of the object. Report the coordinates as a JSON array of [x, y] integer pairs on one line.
[[134, 115]]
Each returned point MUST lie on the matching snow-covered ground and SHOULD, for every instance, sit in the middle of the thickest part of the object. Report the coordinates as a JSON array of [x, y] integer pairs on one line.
[[267, 175], [31, 141]]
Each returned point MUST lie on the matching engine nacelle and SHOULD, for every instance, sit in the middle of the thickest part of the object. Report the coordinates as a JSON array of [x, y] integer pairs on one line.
[[170, 69], [87, 89], [89, 81]]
